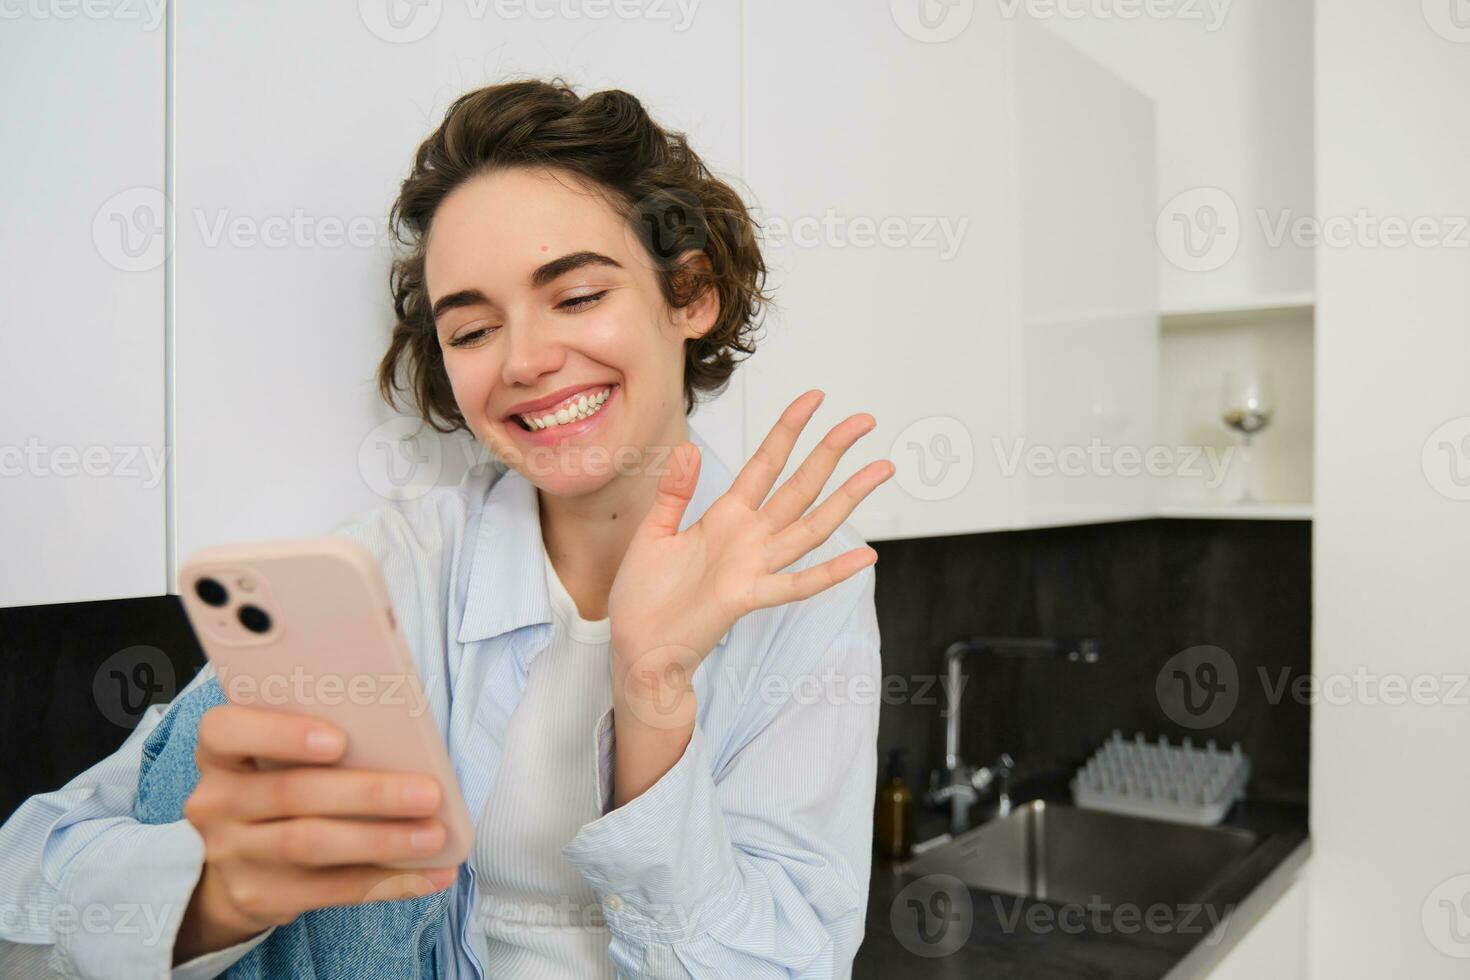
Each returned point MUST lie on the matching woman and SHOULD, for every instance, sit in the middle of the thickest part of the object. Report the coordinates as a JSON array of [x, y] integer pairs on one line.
[[644, 669]]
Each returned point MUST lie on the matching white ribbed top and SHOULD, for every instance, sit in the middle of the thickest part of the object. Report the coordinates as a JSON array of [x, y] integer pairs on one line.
[[535, 916]]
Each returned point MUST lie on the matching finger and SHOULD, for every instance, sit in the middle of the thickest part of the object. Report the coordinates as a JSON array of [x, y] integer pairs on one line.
[[761, 470], [327, 841], [797, 493], [675, 488], [817, 526], [231, 735], [279, 894], [774, 590], [313, 791]]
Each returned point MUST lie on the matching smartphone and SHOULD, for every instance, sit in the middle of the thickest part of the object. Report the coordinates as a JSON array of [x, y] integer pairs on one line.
[[307, 626]]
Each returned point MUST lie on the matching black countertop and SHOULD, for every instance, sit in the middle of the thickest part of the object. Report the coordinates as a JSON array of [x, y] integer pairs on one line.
[[1004, 936]]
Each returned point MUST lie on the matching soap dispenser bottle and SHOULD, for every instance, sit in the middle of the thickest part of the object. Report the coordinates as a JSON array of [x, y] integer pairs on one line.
[[893, 820]]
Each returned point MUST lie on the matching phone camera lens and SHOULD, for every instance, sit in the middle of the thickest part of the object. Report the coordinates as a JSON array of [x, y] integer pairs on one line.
[[255, 619], [211, 591]]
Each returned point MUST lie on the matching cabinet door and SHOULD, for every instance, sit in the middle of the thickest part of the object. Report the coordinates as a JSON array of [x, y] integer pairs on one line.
[[83, 468], [879, 153], [296, 124], [1089, 333]]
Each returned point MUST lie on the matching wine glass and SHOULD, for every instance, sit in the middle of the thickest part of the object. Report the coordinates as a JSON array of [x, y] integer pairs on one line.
[[1246, 403]]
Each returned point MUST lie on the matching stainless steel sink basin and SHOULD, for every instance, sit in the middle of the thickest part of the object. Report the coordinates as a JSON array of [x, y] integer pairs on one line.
[[1066, 854]]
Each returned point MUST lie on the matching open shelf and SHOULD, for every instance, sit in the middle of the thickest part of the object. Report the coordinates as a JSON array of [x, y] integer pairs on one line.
[[1242, 512]]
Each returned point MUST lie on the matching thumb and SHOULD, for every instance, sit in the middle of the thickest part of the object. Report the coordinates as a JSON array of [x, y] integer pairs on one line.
[[675, 488]]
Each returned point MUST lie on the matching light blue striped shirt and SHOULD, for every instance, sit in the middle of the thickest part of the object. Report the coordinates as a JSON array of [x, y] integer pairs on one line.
[[750, 857]]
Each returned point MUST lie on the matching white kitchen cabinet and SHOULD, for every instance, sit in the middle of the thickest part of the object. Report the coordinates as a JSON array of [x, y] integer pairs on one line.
[[82, 448], [1089, 326], [294, 126], [958, 219], [1274, 948]]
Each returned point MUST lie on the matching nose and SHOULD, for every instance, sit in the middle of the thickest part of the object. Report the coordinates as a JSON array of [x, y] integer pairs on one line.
[[532, 350]]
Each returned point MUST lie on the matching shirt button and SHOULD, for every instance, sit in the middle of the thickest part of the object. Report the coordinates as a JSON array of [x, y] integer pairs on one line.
[[613, 903]]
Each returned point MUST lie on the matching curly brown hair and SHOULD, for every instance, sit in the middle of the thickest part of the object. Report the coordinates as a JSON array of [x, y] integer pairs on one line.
[[648, 174]]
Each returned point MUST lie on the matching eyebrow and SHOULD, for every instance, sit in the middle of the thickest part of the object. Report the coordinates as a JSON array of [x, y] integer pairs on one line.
[[543, 275]]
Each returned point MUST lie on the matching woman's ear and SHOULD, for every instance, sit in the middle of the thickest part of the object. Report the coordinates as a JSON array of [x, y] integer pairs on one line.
[[703, 312]]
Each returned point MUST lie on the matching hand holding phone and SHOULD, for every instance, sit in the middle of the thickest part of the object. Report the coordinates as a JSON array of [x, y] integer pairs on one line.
[[284, 840], [325, 780]]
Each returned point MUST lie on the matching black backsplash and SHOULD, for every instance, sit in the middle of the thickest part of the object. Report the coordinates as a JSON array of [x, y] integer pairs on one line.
[[1147, 590], [74, 677]]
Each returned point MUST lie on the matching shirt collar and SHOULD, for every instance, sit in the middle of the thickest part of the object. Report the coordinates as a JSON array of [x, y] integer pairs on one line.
[[507, 585]]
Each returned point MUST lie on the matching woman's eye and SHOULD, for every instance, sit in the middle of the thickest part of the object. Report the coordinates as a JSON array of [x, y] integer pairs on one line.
[[465, 339], [580, 302]]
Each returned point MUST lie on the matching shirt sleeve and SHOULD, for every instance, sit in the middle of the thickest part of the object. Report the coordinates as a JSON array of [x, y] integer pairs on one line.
[[93, 891], [759, 869]]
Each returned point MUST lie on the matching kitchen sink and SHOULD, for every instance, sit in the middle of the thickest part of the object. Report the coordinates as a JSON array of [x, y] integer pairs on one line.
[[1066, 854]]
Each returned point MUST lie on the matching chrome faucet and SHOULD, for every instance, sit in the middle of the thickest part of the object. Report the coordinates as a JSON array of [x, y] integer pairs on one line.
[[964, 783]]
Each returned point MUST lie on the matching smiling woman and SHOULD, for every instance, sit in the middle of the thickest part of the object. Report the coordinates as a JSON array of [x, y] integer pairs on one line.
[[614, 626]]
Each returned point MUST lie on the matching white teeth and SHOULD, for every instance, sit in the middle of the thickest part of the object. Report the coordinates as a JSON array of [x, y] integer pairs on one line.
[[573, 411]]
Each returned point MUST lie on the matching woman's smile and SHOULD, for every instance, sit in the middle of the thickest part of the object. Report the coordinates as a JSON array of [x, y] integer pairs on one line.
[[573, 420]]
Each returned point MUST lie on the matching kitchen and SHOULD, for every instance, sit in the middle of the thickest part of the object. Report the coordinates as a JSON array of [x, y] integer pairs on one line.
[[1160, 310]]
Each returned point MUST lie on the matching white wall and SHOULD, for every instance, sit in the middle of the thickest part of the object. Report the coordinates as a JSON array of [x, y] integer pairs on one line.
[[1390, 873]]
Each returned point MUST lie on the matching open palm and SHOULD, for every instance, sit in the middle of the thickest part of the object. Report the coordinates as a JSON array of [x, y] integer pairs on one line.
[[677, 593]]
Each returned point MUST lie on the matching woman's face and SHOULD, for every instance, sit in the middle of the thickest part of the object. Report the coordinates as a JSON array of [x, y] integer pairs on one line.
[[540, 289]]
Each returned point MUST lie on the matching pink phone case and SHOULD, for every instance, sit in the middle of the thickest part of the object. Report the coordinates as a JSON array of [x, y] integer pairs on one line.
[[327, 645]]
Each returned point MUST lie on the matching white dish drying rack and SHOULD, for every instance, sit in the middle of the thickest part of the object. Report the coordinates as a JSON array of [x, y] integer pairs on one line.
[[1184, 783]]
